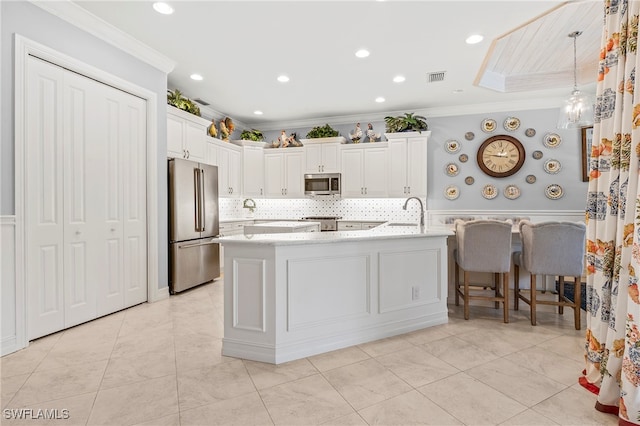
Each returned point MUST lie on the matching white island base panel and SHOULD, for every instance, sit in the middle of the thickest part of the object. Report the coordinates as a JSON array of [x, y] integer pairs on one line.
[[286, 302]]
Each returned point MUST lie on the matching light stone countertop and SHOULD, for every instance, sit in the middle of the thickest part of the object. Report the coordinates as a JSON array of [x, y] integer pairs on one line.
[[382, 232]]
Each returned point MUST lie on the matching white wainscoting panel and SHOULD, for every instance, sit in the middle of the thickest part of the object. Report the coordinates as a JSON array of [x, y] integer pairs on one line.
[[9, 341], [340, 283], [249, 292]]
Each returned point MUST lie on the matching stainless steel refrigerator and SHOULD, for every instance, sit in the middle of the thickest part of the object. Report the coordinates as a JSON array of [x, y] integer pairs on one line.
[[194, 254]]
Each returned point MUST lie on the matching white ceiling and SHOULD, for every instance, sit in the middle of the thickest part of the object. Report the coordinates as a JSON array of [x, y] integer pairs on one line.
[[240, 47]]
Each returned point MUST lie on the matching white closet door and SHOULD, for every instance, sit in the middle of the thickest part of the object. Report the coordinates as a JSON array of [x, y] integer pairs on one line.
[[44, 215]]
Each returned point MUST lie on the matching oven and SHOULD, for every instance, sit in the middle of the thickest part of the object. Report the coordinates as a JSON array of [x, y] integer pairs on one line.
[[327, 223]]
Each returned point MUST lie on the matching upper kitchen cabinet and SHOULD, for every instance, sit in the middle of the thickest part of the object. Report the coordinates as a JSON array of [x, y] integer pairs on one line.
[[186, 135], [228, 158], [407, 164], [253, 171], [283, 172], [364, 170], [322, 157]]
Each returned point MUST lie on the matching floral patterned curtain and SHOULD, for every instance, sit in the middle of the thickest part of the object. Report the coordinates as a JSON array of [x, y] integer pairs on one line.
[[613, 222]]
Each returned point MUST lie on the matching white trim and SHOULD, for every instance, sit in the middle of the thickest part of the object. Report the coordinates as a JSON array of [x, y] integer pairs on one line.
[[9, 343], [23, 48], [90, 23]]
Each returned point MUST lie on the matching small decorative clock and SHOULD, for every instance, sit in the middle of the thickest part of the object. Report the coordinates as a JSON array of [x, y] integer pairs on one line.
[[501, 156]]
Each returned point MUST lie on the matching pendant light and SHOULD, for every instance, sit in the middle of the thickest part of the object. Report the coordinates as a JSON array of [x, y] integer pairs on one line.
[[577, 110]]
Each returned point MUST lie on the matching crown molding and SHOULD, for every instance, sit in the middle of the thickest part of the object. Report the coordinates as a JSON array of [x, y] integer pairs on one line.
[[86, 21]]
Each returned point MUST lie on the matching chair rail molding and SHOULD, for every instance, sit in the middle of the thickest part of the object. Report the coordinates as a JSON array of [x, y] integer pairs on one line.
[[441, 217]]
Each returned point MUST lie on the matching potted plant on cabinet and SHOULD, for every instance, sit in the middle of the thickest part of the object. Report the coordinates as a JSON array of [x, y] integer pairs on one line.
[[176, 99], [324, 133], [409, 122], [252, 135]]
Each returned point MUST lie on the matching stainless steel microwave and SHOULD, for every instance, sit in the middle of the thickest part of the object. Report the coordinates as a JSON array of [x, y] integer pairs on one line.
[[322, 184]]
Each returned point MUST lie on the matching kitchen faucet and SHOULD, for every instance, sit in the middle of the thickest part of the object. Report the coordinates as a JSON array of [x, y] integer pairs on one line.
[[421, 208], [249, 204]]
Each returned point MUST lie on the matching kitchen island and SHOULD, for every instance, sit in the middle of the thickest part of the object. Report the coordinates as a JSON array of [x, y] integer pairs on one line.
[[289, 296]]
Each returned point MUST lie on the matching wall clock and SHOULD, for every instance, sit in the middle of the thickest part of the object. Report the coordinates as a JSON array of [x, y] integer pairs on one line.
[[500, 156]]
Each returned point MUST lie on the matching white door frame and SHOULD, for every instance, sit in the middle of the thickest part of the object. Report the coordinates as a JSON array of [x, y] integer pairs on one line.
[[23, 48]]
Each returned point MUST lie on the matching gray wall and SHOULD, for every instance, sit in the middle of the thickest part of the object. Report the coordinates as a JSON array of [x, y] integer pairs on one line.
[[32, 22], [568, 153]]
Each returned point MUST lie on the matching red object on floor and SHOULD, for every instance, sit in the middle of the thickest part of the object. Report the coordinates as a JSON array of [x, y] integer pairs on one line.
[[588, 386]]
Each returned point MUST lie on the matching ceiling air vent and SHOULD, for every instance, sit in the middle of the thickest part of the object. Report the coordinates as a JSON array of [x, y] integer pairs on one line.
[[201, 102], [432, 77]]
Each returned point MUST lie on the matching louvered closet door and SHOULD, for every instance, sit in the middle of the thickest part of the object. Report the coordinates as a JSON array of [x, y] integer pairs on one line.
[[101, 150]]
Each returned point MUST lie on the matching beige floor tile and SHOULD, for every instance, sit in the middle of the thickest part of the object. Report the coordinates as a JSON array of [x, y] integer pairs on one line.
[[64, 382], [339, 358], [426, 335], [517, 382], [139, 367], [560, 368], [242, 410], [27, 360], [567, 345], [266, 375], [411, 408], [385, 346], [135, 403], [170, 420], [366, 383], [204, 386], [471, 401], [353, 419], [503, 340], [77, 347], [66, 411], [311, 400], [529, 418], [574, 406], [459, 353], [196, 351], [416, 366], [11, 385]]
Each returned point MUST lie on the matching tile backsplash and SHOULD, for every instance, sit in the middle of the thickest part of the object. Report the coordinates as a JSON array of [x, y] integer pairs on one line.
[[378, 209]]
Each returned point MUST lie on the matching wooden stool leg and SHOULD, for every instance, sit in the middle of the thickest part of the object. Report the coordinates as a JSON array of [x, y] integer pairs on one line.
[[561, 295], [577, 290], [505, 296], [496, 289], [533, 299], [466, 295], [456, 287], [516, 287]]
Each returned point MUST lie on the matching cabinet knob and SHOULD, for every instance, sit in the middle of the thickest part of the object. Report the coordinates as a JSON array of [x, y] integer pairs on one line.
[[78, 232], [113, 229]]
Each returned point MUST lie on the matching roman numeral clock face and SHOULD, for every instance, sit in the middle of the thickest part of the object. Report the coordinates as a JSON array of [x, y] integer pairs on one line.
[[501, 156]]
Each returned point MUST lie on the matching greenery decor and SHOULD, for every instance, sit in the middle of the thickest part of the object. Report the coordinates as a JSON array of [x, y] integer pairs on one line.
[[407, 123], [176, 99], [325, 131], [252, 135]]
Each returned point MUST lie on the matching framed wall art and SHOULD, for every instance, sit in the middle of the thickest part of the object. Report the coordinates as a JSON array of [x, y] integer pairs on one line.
[[587, 141]]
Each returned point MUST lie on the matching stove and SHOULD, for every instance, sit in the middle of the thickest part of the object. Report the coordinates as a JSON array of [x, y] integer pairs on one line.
[[327, 223]]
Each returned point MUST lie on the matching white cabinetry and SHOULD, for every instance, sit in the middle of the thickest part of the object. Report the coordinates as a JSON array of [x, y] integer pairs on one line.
[[364, 170], [253, 171], [322, 157], [186, 135], [350, 225], [228, 158], [85, 199], [283, 171], [408, 164]]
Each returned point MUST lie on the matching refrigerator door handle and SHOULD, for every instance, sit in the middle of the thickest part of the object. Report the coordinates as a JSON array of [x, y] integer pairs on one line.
[[197, 199], [202, 201], [207, 243]]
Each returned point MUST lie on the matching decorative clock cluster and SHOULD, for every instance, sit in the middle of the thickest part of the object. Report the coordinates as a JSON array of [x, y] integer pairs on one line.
[[501, 156]]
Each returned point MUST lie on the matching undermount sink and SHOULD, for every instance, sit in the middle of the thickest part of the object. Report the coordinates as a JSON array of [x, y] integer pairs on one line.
[[401, 224]]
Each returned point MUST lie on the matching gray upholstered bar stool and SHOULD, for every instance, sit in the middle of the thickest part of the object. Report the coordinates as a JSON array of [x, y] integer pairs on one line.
[[550, 248], [483, 246]]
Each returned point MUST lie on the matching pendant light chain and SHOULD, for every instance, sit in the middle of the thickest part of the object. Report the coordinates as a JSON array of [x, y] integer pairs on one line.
[[575, 35]]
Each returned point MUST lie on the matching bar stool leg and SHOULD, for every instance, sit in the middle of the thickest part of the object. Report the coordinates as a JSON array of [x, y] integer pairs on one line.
[[533, 299], [516, 287], [505, 296], [577, 290], [496, 283], [456, 288], [466, 295], [561, 295]]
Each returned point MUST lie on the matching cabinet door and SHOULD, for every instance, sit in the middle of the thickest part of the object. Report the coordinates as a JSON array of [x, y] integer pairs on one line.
[[331, 158], [212, 155], [273, 175], [224, 189], [352, 173], [313, 162], [195, 142], [235, 173], [253, 172], [294, 179], [349, 226], [398, 186], [417, 167], [375, 172], [175, 136]]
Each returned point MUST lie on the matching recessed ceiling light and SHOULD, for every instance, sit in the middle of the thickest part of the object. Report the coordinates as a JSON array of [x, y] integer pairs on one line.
[[283, 78], [473, 39], [399, 79], [163, 8], [380, 99], [196, 77], [362, 53], [256, 112]]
